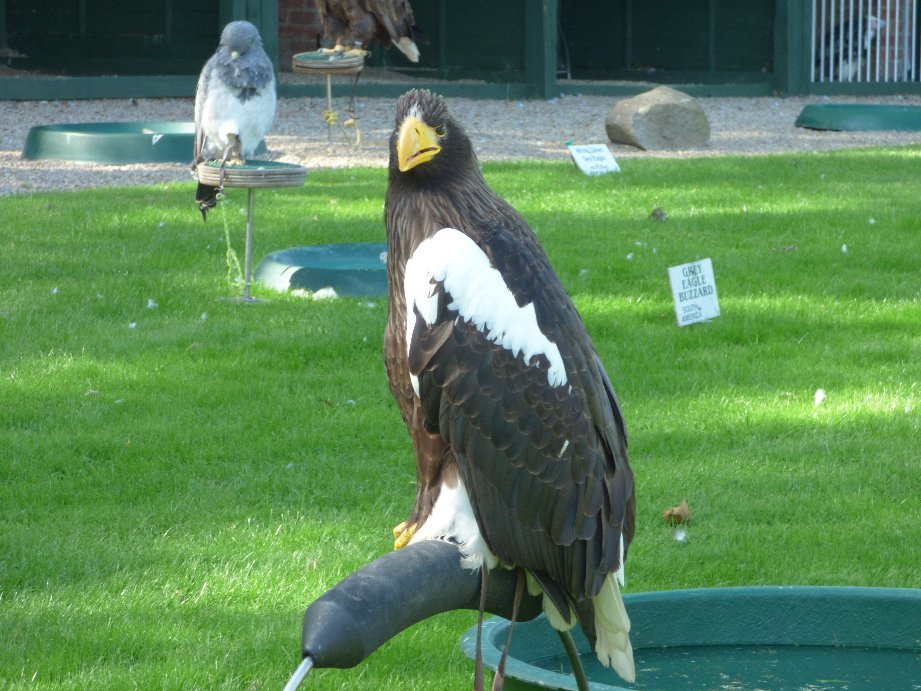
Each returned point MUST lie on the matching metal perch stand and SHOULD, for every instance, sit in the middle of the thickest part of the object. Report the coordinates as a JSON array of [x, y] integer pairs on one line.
[[328, 64], [251, 175]]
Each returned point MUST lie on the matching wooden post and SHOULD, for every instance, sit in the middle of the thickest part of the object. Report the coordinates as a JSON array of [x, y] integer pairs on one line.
[[792, 27], [540, 45]]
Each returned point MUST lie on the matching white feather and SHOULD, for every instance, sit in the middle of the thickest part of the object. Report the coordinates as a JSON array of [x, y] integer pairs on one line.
[[612, 627], [480, 296], [408, 47], [452, 519]]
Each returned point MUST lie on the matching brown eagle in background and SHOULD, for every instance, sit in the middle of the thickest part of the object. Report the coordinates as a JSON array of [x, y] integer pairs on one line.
[[355, 24], [520, 445]]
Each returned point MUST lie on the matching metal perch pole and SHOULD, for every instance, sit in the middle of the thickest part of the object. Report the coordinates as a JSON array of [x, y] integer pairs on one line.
[[248, 259]]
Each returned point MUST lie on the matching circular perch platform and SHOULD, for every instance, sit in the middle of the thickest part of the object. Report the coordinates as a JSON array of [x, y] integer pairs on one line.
[[114, 142], [253, 174], [857, 117], [782, 637], [352, 270], [318, 63]]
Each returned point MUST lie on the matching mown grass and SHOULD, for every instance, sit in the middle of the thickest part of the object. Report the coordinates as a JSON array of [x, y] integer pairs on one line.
[[178, 481]]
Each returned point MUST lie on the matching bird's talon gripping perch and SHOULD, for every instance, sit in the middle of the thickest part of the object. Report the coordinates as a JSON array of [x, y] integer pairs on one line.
[[402, 534]]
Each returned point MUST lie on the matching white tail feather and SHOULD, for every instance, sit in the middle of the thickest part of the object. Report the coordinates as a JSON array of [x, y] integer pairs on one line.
[[612, 627], [408, 47], [554, 617]]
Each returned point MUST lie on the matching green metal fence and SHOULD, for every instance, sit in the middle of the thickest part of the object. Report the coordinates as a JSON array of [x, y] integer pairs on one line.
[[512, 49]]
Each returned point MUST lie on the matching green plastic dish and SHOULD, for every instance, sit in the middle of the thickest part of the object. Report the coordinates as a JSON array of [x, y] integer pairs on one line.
[[734, 638], [352, 270], [860, 117], [114, 142]]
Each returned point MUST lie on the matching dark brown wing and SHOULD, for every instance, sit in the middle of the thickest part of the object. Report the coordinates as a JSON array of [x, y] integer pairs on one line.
[[545, 466], [395, 18], [346, 22]]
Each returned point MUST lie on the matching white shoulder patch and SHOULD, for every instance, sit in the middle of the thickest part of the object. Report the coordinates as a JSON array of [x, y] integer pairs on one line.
[[480, 296]]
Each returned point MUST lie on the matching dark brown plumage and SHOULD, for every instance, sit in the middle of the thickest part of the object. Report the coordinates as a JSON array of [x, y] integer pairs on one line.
[[498, 382], [359, 23]]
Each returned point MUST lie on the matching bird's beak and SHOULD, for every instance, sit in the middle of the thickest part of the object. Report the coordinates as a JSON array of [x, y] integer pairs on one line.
[[234, 55], [417, 143]]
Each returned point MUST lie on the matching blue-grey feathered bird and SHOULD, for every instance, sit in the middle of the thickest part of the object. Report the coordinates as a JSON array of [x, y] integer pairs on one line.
[[234, 103]]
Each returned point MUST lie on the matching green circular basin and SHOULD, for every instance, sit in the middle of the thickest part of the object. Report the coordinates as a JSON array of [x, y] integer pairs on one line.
[[734, 638], [114, 142], [352, 269], [860, 117]]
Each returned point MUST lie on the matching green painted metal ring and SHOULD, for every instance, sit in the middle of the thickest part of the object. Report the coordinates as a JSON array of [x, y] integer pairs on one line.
[[788, 630], [860, 117]]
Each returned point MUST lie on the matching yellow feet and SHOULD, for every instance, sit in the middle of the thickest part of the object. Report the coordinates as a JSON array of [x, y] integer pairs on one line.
[[402, 534], [344, 51]]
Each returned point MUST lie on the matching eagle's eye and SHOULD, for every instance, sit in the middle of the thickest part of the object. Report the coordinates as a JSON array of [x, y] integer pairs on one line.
[[441, 130]]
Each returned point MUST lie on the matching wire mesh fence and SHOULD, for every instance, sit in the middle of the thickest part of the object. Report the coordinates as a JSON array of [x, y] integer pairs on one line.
[[865, 41]]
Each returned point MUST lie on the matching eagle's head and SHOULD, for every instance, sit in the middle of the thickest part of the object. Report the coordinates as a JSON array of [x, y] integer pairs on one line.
[[426, 141], [238, 37]]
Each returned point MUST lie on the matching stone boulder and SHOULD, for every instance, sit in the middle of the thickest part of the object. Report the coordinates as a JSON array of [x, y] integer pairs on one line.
[[659, 119]]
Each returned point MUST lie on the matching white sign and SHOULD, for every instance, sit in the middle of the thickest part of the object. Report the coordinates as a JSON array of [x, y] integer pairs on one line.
[[694, 290], [593, 159]]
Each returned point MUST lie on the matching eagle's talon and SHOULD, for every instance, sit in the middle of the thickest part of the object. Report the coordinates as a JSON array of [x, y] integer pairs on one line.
[[402, 534]]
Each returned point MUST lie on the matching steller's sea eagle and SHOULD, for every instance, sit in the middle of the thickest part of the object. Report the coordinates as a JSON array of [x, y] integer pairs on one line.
[[355, 24], [520, 446], [234, 103]]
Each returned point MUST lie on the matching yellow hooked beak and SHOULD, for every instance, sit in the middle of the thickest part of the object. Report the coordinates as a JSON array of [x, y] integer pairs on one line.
[[234, 55], [417, 143]]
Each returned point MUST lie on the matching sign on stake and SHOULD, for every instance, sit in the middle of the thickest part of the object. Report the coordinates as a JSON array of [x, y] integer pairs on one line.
[[593, 159], [694, 292]]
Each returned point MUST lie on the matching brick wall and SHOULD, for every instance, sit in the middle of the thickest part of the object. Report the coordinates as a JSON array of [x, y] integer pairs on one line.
[[897, 39], [298, 29]]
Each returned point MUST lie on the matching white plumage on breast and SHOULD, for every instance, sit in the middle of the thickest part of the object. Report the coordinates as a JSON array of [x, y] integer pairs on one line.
[[223, 114]]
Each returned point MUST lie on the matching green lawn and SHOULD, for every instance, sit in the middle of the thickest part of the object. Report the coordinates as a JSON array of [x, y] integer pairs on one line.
[[180, 478]]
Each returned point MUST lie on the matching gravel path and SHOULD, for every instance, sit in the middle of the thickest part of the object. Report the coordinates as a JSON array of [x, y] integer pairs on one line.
[[500, 130]]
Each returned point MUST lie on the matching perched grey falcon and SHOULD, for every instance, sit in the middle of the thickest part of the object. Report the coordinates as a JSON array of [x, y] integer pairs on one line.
[[234, 103]]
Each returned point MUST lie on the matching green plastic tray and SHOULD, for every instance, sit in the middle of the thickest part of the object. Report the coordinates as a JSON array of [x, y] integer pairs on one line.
[[352, 270], [114, 142], [859, 117], [735, 638]]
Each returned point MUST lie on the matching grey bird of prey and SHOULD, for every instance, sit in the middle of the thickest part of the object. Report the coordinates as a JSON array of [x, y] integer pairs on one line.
[[234, 103]]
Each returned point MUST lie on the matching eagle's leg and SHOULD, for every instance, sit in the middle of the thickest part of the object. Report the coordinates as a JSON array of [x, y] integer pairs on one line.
[[499, 680], [478, 668], [432, 458], [578, 671]]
